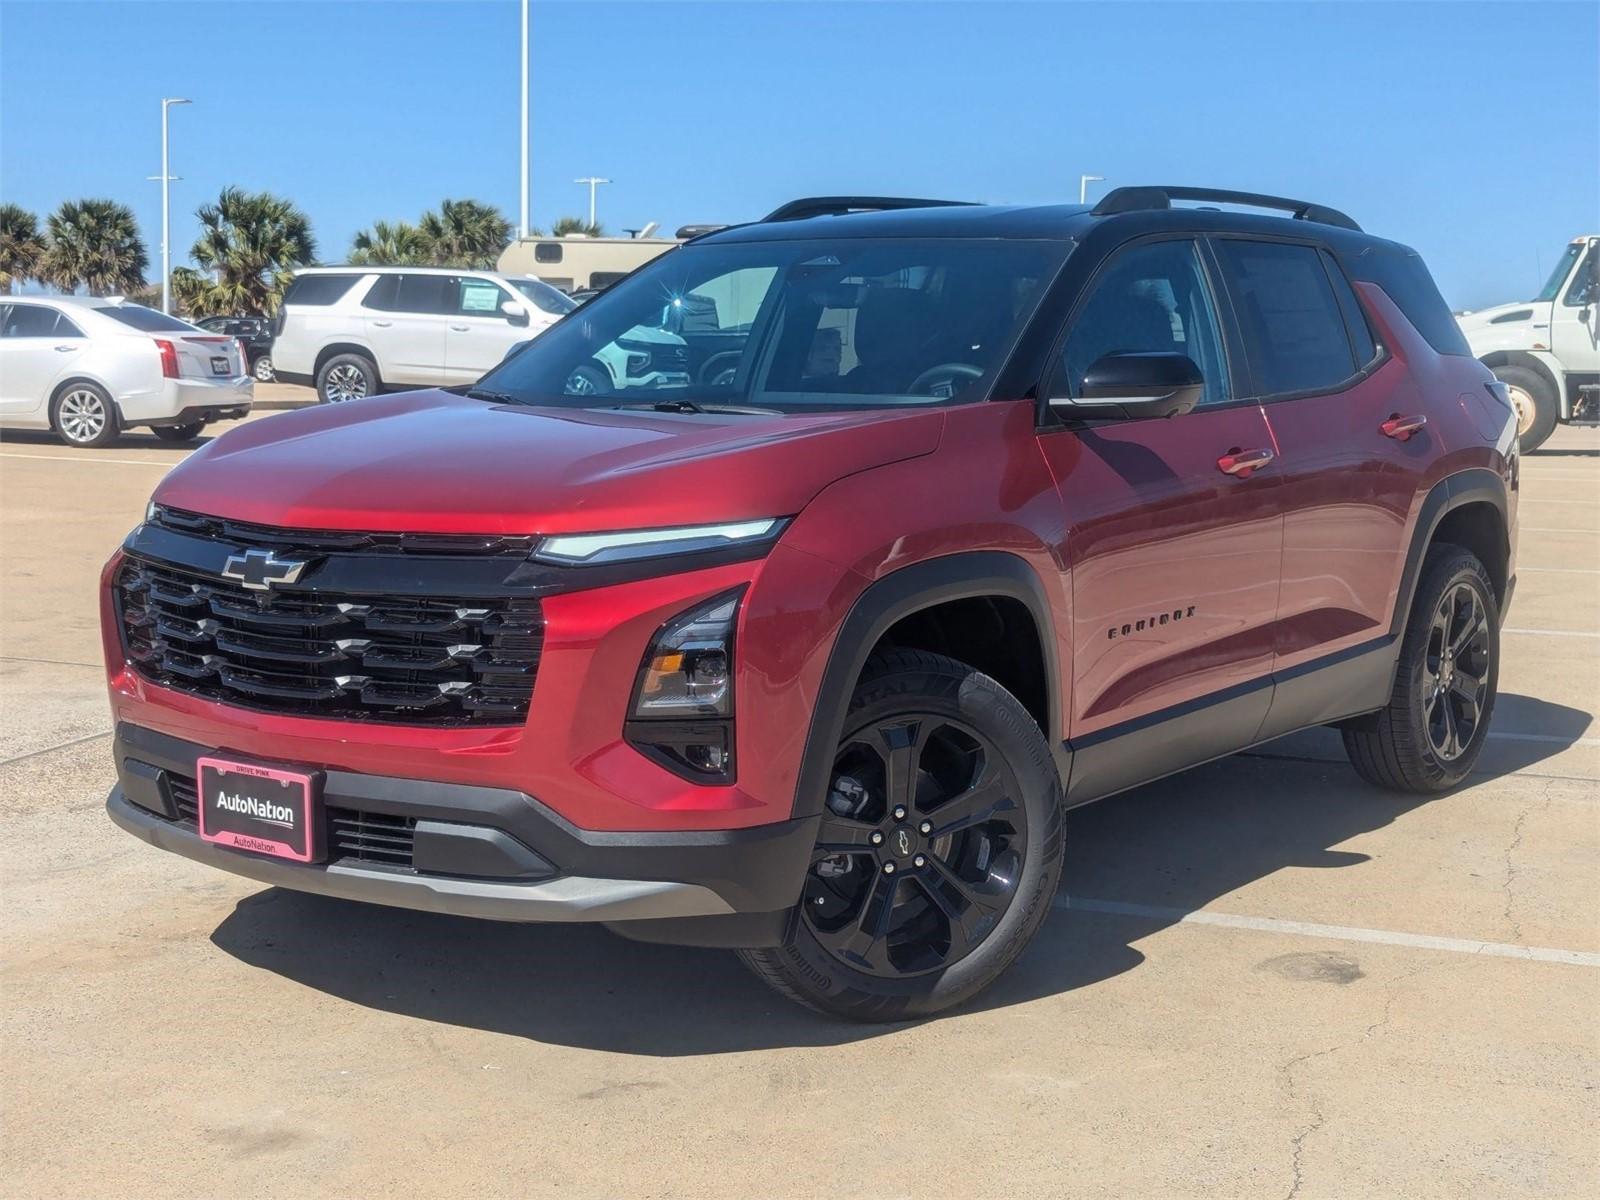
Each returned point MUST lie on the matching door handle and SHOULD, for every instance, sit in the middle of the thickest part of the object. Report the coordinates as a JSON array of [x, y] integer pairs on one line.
[[1400, 428], [1241, 464], [460, 328], [65, 349], [383, 324]]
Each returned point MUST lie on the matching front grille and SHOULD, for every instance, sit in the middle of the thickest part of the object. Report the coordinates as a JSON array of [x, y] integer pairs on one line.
[[379, 839], [407, 660]]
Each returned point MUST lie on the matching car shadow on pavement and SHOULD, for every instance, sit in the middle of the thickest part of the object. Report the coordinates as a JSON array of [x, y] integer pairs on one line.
[[1174, 846], [131, 440]]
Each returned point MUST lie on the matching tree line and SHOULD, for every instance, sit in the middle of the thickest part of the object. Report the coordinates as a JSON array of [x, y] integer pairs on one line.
[[249, 246]]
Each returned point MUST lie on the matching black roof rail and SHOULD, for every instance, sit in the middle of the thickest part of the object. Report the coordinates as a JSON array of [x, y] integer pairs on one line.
[[833, 206], [1141, 199]]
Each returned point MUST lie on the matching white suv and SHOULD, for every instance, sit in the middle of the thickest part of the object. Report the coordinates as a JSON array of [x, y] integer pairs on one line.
[[88, 368], [356, 331]]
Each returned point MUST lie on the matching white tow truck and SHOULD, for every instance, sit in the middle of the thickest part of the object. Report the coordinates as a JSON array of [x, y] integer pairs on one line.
[[1546, 350]]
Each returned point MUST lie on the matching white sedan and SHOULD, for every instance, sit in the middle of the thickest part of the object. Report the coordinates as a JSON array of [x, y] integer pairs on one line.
[[89, 368]]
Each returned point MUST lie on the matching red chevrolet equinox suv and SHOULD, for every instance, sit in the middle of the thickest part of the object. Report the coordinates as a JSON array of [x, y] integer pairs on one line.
[[784, 596]]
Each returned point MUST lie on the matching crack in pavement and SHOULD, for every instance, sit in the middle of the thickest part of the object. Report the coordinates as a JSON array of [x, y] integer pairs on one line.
[[1508, 887]]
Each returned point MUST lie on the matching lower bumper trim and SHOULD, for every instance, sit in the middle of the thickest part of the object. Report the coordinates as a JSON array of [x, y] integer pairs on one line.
[[571, 898]]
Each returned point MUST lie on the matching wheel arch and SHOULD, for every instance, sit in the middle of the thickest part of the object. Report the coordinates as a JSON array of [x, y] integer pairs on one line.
[[1468, 509], [334, 349], [1531, 362], [907, 601]]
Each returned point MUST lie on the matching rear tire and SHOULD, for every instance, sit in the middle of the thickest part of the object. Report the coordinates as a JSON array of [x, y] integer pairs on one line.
[[346, 377], [1429, 736], [1537, 406], [906, 913], [262, 369], [178, 433], [84, 415]]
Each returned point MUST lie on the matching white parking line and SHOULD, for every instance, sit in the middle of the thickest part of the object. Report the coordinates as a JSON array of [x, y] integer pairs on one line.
[[1559, 570], [1342, 933], [126, 462], [1587, 633], [1555, 529], [1540, 500]]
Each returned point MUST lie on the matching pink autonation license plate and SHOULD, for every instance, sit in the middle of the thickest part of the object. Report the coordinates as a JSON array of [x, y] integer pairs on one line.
[[264, 809]]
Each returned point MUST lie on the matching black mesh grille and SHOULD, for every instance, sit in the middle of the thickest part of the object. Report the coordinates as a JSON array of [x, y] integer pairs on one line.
[[407, 660]]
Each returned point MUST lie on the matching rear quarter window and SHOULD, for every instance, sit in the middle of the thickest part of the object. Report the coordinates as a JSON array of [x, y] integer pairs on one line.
[[318, 289], [1294, 330], [145, 320], [1405, 280]]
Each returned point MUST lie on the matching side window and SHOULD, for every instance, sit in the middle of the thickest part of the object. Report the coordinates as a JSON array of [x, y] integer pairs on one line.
[[412, 294], [1355, 317], [65, 328], [318, 289], [1152, 299], [1405, 280], [479, 298], [547, 252], [1581, 291], [32, 320], [1294, 332]]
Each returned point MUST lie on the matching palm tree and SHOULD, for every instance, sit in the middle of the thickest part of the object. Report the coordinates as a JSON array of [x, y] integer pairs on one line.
[[21, 247], [401, 244], [567, 226], [191, 292], [94, 244], [251, 241], [465, 233]]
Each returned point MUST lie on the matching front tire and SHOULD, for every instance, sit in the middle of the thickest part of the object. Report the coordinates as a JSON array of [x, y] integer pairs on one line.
[[939, 850], [83, 415], [1537, 407], [346, 377], [1428, 737], [262, 369]]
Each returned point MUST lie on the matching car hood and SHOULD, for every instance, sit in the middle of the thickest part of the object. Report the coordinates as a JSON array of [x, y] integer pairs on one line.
[[435, 462]]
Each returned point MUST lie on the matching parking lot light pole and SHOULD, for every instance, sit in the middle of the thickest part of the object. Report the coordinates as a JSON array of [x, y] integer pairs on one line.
[[166, 178], [1083, 186], [522, 228], [593, 181]]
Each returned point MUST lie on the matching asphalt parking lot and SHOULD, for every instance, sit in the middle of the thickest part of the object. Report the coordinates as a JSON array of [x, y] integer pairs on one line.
[[1268, 979]]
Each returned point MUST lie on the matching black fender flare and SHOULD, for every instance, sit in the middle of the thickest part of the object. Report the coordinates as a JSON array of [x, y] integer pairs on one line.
[[1472, 486], [897, 595]]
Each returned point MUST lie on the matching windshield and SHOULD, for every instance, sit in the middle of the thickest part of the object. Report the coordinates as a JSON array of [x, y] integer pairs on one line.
[[545, 298], [793, 326], [1552, 286], [146, 320]]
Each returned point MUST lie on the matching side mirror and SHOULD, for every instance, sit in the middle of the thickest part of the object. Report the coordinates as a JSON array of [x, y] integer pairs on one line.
[[514, 312], [1132, 386]]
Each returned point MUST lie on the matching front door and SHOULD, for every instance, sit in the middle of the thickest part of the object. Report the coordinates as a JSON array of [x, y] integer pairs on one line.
[[479, 333], [1173, 540], [1575, 322], [37, 347]]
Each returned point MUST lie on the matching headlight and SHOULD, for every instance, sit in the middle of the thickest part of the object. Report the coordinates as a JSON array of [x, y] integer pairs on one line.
[[151, 511], [590, 549], [682, 710]]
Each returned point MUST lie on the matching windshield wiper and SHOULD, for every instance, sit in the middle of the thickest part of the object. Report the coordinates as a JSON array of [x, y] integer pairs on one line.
[[478, 393], [690, 406]]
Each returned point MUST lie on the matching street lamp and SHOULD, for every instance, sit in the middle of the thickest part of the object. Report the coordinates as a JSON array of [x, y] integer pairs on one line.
[[593, 181], [1083, 186], [166, 177], [522, 229]]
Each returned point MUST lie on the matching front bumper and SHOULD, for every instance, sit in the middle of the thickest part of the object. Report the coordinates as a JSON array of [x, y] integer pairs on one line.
[[480, 852]]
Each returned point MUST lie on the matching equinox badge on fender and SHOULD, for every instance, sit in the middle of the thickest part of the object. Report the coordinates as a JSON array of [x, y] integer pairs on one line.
[[261, 570]]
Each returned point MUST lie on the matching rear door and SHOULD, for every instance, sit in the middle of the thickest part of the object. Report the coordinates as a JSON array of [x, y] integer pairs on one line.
[[37, 347], [478, 333], [405, 317], [1328, 388], [1173, 557]]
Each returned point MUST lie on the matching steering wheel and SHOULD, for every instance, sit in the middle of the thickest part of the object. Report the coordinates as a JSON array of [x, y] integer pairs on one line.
[[949, 370]]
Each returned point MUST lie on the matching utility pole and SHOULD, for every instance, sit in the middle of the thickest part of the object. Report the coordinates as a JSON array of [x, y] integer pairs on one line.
[[166, 177], [522, 228], [593, 181], [1083, 186]]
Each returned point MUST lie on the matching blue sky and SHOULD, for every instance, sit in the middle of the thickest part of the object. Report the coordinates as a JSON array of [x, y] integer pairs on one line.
[[1469, 130]]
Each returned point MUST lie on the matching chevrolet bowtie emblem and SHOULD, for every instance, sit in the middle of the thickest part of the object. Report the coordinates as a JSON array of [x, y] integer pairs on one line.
[[261, 570]]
